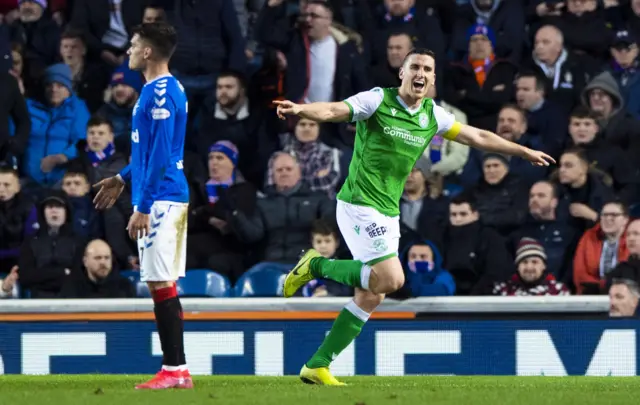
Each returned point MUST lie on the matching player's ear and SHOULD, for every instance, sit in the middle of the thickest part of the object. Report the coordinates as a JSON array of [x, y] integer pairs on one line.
[[401, 73]]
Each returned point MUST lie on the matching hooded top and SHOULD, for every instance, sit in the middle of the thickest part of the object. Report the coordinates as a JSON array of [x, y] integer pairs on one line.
[[606, 82], [436, 282]]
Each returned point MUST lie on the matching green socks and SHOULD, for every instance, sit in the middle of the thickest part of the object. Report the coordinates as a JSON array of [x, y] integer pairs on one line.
[[353, 273], [345, 329]]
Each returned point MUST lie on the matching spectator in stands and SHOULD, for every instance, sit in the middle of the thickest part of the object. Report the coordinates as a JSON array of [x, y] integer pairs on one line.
[[566, 74], [600, 249], [610, 159], [87, 222], [480, 85], [124, 91], [284, 216], [504, 18], [228, 114], [423, 207], [425, 276], [59, 123], [512, 126], [474, 254], [633, 238], [501, 196], [153, 13], [325, 239], [386, 74], [544, 119], [582, 188], [547, 224], [107, 26], [220, 45], [17, 218], [13, 108], [89, 79], [39, 36], [320, 163], [531, 277], [214, 241], [47, 259], [624, 68], [96, 276], [624, 294], [17, 69], [9, 284]]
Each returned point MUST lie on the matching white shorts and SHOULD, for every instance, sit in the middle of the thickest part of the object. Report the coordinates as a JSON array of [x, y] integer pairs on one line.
[[163, 253], [370, 235]]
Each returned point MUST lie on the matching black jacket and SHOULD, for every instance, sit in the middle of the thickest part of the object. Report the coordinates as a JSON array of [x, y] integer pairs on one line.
[[81, 286], [12, 106], [502, 206]]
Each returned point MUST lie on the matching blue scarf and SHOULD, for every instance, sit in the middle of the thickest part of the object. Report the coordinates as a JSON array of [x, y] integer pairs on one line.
[[97, 157], [212, 188]]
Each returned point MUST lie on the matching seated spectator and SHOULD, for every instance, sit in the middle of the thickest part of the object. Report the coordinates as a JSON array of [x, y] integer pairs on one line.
[[18, 219], [47, 259], [284, 216], [153, 13], [123, 92], [425, 276], [547, 224], [17, 68], [600, 249], [423, 207], [13, 108], [96, 277], [325, 239], [58, 124], [602, 155], [624, 294], [87, 222], [475, 255], [633, 238], [89, 79], [624, 68], [385, 74], [39, 36], [584, 189], [501, 195], [214, 241], [9, 285], [480, 85], [531, 277], [320, 163]]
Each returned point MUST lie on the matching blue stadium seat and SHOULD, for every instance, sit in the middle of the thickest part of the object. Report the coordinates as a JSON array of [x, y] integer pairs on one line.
[[132, 275], [260, 282], [204, 283], [142, 289]]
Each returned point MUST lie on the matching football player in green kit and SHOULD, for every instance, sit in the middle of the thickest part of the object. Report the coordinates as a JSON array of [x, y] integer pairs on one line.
[[393, 128]]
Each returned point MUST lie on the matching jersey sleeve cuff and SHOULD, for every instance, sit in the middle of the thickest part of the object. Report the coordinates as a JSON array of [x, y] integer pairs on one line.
[[350, 110], [144, 208], [453, 132]]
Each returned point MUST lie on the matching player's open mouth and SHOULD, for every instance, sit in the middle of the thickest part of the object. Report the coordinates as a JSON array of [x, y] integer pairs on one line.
[[418, 84]]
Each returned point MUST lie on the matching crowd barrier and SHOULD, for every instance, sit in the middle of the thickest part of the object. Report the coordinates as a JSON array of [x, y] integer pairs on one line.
[[551, 336]]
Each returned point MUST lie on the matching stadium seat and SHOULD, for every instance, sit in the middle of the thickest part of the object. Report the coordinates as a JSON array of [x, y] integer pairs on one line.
[[132, 275], [204, 283], [142, 289], [260, 282]]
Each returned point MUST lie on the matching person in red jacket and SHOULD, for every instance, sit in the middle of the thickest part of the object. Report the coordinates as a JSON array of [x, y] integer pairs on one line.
[[600, 249]]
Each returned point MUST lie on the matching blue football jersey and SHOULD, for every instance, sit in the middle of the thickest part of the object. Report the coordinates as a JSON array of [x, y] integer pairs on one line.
[[158, 131]]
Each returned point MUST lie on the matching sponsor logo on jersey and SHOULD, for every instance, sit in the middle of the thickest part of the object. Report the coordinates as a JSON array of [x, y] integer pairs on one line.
[[423, 120], [405, 135], [379, 245], [160, 113], [374, 230]]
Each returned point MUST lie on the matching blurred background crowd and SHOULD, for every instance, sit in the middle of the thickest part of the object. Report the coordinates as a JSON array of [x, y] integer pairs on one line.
[[559, 76]]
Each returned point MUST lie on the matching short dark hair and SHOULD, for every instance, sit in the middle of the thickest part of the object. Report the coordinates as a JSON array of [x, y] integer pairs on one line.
[[323, 227], [554, 188], [8, 169], [465, 198], [98, 120], [72, 33], [516, 108], [161, 36], [616, 201], [583, 112], [539, 80], [76, 170], [323, 3], [236, 75], [420, 51], [579, 152]]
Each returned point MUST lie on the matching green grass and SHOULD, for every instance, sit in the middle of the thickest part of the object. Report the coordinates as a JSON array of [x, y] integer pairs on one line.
[[118, 390]]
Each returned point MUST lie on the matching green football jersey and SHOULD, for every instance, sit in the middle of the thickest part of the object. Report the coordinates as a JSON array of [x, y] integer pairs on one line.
[[390, 138]]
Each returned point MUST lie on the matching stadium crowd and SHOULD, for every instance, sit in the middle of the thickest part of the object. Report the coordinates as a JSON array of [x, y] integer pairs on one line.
[[559, 76]]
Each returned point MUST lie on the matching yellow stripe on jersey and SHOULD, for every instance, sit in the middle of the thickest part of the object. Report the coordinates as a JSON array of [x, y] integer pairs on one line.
[[453, 131]]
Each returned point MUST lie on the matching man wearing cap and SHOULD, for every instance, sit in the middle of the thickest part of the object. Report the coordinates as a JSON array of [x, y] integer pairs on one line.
[[624, 68], [531, 277], [58, 123], [480, 85]]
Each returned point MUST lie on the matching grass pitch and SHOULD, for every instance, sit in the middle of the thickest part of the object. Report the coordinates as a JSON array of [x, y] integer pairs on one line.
[[250, 390]]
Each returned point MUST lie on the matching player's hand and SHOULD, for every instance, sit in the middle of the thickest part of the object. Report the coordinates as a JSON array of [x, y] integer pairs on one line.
[[537, 158], [138, 225], [109, 190], [286, 107]]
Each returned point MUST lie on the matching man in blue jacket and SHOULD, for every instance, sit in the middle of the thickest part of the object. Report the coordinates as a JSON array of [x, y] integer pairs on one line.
[[424, 274]]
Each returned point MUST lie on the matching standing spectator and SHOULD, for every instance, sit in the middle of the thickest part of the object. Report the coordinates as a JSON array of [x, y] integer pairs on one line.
[[17, 218], [47, 259], [284, 216], [96, 276], [12, 108], [624, 68], [107, 25], [600, 249], [531, 277], [386, 74], [480, 85], [320, 163], [58, 124], [213, 240], [89, 79]]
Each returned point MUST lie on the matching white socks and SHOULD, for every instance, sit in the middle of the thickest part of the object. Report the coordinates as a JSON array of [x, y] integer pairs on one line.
[[357, 311], [365, 273]]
